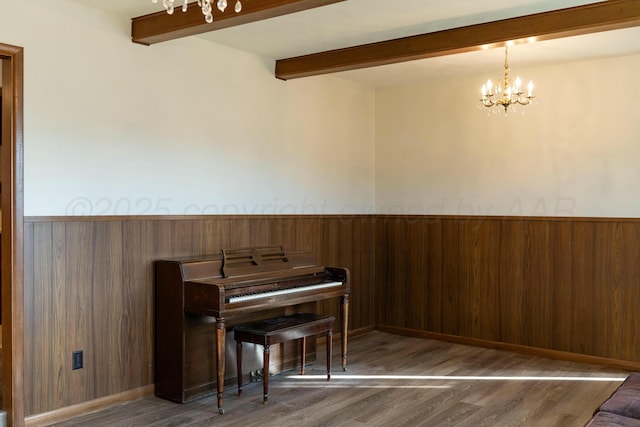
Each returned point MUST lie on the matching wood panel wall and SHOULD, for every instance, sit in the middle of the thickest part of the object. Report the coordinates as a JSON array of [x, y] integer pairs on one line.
[[569, 285], [562, 284], [89, 286]]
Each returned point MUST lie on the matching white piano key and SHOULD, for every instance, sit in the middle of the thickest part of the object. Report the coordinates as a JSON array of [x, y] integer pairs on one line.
[[268, 294]]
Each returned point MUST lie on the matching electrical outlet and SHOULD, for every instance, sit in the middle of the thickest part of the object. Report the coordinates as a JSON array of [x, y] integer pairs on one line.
[[76, 360]]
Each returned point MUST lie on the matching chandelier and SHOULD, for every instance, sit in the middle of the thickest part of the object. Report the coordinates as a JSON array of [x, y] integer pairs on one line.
[[205, 5], [504, 94]]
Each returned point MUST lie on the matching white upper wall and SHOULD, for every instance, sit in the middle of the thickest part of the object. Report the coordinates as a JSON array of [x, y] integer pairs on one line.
[[575, 153], [183, 127], [190, 127]]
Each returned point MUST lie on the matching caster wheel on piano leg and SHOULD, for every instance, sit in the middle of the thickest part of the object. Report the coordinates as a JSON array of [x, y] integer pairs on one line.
[[221, 411]]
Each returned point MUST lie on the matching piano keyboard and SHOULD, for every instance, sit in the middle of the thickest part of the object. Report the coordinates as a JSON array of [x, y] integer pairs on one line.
[[267, 294]]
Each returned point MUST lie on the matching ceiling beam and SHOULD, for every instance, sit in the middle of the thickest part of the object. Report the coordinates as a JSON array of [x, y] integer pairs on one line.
[[591, 18], [160, 26]]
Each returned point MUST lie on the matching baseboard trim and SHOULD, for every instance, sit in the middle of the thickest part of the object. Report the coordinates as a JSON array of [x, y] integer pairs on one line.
[[352, 333], [84, 408], [516, 348]]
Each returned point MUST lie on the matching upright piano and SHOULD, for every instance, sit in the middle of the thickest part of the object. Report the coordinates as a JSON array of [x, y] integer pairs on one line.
[[195, 296]]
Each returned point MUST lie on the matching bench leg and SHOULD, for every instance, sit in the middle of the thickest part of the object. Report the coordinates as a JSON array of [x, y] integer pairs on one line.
[[344, 319], [265, 378], [239, 365], [303, 354], [329, 344]]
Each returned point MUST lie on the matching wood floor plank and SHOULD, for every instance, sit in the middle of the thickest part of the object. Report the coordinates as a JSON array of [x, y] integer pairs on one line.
[[396, 381]]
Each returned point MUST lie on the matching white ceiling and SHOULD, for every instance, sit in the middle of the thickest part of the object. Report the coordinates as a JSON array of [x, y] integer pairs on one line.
[[355, 22]]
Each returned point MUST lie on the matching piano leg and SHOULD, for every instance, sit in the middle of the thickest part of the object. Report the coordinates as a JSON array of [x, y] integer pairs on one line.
[[344, 318], [221, 332]]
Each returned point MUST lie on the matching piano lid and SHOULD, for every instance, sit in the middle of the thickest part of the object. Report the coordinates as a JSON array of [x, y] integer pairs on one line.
[[250, 261]]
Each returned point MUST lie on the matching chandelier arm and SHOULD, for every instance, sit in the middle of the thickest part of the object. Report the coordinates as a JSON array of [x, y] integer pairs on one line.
[[526, 101]]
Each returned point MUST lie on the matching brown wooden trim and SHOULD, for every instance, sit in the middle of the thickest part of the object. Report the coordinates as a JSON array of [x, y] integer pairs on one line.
[[373, 217], [590, 18], [463, 218], [522, 349], [37, 219], [159, 27], [337, 337], [12, 261], [59, 415]]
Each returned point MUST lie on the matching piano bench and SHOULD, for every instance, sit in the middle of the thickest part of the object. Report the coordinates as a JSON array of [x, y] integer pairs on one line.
[[278, 330]]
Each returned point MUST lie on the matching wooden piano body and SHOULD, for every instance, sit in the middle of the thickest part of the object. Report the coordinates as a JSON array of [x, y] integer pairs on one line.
[[197, 299]]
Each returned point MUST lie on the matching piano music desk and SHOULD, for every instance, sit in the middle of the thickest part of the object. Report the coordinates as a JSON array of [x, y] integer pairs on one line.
[[280, 329]]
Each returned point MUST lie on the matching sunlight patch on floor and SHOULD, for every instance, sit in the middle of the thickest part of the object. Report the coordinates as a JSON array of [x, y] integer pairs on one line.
[[329, 384], [339, 377]]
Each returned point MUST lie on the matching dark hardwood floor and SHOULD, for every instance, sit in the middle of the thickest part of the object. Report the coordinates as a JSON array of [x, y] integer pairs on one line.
[[396, 381]]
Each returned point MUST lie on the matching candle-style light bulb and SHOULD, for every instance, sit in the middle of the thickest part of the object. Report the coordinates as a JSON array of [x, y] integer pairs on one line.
[[530, 87]]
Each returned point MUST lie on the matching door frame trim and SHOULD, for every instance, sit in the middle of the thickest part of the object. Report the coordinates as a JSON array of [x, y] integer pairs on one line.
[[11, 243]]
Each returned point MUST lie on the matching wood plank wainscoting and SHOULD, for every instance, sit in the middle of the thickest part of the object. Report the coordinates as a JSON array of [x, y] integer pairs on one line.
[[568, 286], [89, 286], [564, 285]]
